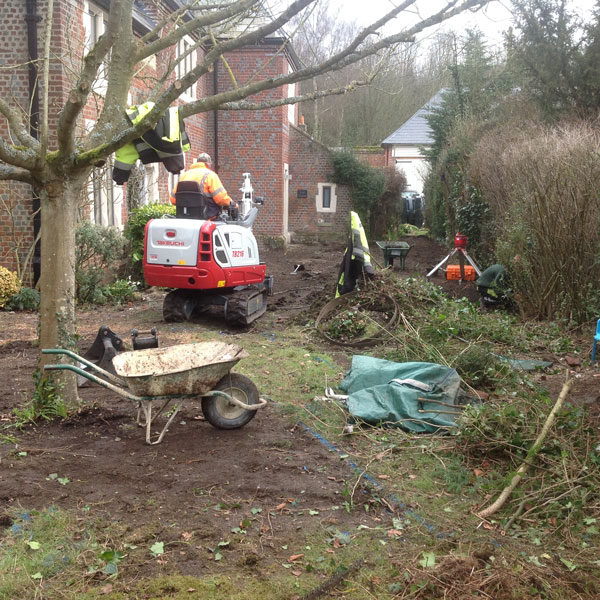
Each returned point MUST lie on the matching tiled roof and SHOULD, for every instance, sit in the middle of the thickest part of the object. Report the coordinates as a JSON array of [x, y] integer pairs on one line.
[[416, 131]]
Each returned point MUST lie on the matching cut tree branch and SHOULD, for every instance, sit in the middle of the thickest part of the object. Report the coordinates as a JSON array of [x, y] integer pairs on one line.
[[533, 452]]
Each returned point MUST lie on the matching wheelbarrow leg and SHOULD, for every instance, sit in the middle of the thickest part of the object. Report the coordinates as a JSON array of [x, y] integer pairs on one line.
[[146, 406]]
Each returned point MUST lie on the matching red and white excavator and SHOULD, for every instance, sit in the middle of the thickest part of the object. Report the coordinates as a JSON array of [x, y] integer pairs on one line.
[[208, 262]]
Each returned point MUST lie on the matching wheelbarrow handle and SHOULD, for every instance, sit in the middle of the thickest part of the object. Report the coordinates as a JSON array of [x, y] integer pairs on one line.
[[261, 401], [87, 363], [115, 388]]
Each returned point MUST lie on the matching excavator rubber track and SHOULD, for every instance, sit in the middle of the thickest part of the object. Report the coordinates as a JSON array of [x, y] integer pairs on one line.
[[241, 306], [179, 306], [245, 306]]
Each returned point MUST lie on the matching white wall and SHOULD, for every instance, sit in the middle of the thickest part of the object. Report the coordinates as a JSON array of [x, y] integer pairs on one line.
[[410, 160]]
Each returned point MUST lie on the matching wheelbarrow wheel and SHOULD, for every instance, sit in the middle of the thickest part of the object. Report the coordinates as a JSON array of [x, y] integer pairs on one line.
[[221, 413]]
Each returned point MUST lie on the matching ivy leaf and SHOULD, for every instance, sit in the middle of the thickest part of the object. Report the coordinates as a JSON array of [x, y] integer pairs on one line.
[[571, 566], [34, 545], [428, 560], [157, 548], [255, 511], [218, 556], [110, 568]]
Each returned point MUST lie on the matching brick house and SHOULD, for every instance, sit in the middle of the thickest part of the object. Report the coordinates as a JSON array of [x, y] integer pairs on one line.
[[287, 167]]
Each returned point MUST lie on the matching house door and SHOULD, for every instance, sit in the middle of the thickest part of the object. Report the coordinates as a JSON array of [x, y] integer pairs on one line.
[[286, 199]]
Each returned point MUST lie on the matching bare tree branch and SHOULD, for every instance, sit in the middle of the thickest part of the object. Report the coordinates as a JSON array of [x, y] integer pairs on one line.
[[17, 126], [79, 94], [198, 23], [9, 173], [349, 55], [246, 105]]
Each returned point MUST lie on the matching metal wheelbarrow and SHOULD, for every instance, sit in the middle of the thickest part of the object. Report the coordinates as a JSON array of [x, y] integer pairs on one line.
[[173, 375], [392, 250]]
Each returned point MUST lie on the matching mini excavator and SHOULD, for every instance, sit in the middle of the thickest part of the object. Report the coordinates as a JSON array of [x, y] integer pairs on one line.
[[208, 263]]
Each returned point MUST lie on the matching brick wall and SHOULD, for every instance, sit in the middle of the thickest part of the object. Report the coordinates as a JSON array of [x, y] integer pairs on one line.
[[374, 157], [16, 231], [312, 164], [255, 142]]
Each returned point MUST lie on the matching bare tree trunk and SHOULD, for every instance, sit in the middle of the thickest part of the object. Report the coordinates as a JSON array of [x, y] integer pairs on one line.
[[59, 201], [316, 120]]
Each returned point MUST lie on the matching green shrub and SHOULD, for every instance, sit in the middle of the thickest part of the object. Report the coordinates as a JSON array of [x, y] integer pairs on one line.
[[26, 299], [366, 183], [542, 189], [120, 291], [97, 250], [134, 232], [10, 285]]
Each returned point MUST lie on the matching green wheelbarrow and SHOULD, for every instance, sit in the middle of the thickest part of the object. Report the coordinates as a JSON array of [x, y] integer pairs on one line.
[[173, 375], [393, 250]]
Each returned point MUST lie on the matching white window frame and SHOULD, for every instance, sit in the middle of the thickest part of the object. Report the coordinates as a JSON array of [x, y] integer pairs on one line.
[[150, 190], [172, 182], [332, 198], [94, 23], [105, 197], [291, 92], [183, 67]]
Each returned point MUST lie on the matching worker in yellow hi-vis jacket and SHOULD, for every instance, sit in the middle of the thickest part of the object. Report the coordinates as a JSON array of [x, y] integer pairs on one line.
[[210, 185]]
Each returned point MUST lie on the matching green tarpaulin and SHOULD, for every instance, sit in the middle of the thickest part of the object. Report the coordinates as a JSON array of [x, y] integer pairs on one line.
[[381, 391]]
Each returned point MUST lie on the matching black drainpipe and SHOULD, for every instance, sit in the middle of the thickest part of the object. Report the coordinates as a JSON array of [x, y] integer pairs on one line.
[[216, 116], [32, 19]]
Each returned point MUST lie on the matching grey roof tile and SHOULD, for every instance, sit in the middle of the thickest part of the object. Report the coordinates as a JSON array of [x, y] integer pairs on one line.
[[416, 131]]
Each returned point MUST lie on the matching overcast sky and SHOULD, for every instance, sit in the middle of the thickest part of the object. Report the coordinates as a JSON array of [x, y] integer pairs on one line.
[[491, 20]]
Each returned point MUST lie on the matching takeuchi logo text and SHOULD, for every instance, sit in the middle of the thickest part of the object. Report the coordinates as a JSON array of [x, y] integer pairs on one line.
[[170, 243]]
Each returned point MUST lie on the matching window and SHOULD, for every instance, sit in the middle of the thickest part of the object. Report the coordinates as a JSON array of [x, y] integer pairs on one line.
[[150, 191], [105, 199], [326, 198], [186, 64], [95, 21]]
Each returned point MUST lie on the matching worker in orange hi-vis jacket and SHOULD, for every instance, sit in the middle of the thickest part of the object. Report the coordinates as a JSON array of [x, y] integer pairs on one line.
[[210, 185]]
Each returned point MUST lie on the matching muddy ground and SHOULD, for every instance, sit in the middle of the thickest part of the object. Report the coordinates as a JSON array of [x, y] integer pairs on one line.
[[200, 482]]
